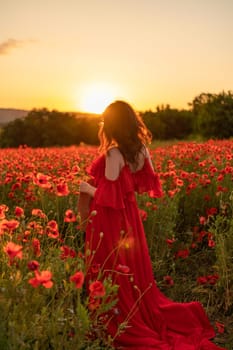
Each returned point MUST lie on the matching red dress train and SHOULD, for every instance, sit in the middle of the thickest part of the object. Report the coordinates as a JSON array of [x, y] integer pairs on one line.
[[154, 321]]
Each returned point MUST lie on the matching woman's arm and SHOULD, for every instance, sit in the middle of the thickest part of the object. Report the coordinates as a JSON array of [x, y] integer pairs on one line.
[[87, 188], [114, 163], [147, 154]]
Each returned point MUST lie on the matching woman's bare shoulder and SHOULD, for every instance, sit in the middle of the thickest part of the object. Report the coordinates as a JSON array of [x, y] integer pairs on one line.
[[114, 163], [114, 152], [146, 152]]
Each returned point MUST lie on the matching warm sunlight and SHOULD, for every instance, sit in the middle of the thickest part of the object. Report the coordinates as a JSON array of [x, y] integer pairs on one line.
[[95, 97]]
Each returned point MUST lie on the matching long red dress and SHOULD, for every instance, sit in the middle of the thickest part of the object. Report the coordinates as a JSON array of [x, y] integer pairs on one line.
[[154, 321]]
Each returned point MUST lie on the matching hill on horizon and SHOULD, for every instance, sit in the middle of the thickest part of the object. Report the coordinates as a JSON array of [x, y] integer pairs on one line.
[[9, 114]]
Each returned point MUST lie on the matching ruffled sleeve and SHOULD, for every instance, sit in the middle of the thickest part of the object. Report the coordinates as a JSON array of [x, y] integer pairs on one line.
[[96, 170], [146, 180], [109, 194]]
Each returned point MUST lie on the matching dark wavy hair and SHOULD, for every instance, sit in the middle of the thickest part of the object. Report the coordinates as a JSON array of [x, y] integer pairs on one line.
[[124, 128]]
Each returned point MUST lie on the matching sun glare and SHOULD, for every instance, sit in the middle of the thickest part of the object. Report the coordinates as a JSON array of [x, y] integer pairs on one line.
[[96, 97]]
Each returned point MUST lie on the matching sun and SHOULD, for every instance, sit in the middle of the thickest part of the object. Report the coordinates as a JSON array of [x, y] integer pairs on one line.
[[96, 96]]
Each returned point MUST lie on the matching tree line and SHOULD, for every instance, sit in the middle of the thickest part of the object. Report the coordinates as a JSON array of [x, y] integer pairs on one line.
[[209, 116]]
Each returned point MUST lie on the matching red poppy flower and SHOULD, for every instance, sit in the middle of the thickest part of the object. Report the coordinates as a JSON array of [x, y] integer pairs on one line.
[[67, 252], [97, 289], [193, 245], [42, 180], [52, 225], [36, 247], [221, 189], [179, 182], [34, 226], [207, 198], [62, 189], [183, 253], [93, 304], [53, 234], [220, 327], [75, 169], [78, 279], [201, 235], [202, 220], [170, 241], [16, 186], [69, 216], [9, 225], [168, 280], [33, 265], [3, 209], [13, 251], [201, 280], [211, 211], [143, 214], [39, 213], [191, 187], [220, 177], [211, 243], [212, 279], [19, 212], [52, 229], [41, 278], [171, 193]]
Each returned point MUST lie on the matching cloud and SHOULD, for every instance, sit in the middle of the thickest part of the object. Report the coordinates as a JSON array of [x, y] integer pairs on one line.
[[8, 45]]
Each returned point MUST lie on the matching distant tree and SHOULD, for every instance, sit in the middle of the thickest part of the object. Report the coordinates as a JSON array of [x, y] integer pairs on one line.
[[167, 123], [90, 127], [12, 134], [34, 126], [60, 129], [214, 114], [154, 124], [44, 128], [178, 124]]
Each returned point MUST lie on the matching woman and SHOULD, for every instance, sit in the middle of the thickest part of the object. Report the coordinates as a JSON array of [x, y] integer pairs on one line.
[[116, 237]]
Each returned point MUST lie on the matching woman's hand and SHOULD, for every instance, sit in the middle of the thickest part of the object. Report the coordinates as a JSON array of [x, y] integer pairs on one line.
[[87, 188], [84, 187]]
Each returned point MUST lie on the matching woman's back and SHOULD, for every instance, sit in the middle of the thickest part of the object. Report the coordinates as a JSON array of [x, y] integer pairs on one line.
[[115, 161]]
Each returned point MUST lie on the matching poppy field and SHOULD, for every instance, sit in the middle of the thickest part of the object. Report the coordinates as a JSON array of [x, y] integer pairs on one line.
[[44, 300]]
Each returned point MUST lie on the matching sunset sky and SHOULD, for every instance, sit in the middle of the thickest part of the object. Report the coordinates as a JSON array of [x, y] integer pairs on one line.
[[79, 55]]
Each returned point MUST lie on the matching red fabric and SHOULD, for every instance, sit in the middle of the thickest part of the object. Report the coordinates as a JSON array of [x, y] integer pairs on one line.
[[154, 321]]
